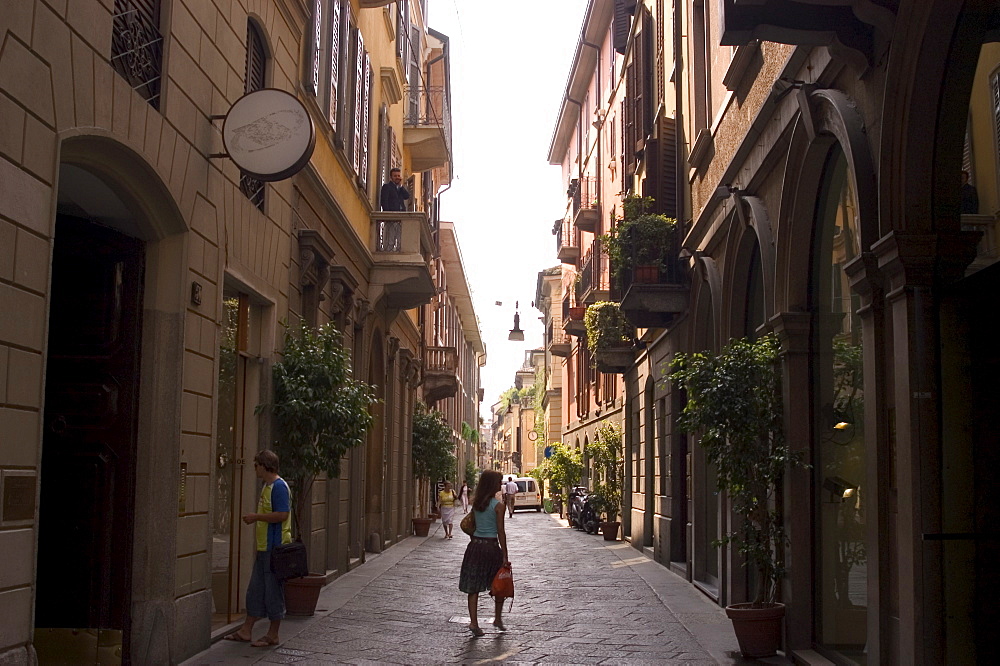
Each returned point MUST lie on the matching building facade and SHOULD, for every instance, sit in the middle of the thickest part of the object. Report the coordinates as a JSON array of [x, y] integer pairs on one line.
[[813, 155], [145, 282]]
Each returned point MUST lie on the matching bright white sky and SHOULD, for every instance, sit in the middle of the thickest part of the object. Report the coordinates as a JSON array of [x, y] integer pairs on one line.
[[509, 66]]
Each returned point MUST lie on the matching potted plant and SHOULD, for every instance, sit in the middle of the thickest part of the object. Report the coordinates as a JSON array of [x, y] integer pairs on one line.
[[605, 452], [320, 413], [609, 336], [734, 403], [562, 469], [640, 242], [433, 458]]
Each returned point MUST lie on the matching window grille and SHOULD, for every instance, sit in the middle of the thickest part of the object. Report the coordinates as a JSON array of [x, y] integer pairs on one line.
[[137, 46]]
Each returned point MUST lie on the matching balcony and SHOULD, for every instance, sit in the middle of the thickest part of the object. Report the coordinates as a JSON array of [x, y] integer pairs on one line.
[[586, 207], [440, 373], [558, 341], [594, 284], [986, 250], [653, 295], [573, 318], [567, 241], [427, 127], [402, 247]]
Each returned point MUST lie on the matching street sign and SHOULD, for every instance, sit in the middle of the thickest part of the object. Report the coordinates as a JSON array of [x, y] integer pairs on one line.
[[548, 451]]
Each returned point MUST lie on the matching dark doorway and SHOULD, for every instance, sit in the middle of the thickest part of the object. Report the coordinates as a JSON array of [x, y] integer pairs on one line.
[[89, 444]]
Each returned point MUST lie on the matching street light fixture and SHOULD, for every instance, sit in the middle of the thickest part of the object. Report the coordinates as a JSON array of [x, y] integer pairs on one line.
[[516, 334]]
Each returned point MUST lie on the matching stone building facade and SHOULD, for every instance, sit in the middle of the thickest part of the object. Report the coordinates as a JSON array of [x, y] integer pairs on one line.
[[815, 153], [144, 282]]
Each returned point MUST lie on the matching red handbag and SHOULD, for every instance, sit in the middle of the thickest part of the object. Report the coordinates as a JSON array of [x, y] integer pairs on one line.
[[503, 584]]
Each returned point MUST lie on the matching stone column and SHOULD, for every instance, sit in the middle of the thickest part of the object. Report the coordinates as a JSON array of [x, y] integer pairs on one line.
[[792, 330], [915, 266]]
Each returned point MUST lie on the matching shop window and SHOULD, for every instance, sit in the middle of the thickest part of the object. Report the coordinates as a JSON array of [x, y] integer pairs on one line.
[[838, 393]]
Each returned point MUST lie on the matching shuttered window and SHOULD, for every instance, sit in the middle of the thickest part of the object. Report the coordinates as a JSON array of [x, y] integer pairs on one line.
[[316, 46], [253, 79], [359, 78], [403, 31], [137, 46], [365, 120], [995, 92], [336, 32]]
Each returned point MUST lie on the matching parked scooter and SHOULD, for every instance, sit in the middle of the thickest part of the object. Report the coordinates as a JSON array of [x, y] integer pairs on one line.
[[588, 517], [577, 498]]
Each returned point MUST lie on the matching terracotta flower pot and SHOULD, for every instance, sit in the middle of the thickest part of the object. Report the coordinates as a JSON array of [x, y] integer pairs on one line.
[[647, 274], [610, 531], [758, 630], [301, 594], [421, 526]]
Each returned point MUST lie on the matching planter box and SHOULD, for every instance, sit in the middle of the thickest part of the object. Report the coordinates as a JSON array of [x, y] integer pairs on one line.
[[614, 359]]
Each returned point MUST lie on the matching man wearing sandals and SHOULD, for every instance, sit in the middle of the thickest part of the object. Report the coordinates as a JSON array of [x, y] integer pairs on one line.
[[265, 593]]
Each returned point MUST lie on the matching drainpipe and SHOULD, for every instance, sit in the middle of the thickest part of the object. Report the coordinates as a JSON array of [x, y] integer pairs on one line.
[[679, 178]]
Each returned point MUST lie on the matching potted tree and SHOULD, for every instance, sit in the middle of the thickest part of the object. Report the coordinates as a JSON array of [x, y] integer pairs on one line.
[[734, 403], [320, 413], [605, 452], [433, 458], [609, 336], [562, 469], [640, 242]]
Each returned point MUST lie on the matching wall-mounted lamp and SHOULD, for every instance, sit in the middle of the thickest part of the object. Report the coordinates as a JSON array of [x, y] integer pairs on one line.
[[839, 489], [516, 334]]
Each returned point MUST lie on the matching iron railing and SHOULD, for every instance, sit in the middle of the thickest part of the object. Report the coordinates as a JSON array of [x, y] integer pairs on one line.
[[585, 195], [428, 106], [567, 237], [441, 359], [593, 272], [137, 47]]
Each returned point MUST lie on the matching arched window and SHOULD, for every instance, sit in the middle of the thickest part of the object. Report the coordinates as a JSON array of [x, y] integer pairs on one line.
[[838, 395], [253, 80]]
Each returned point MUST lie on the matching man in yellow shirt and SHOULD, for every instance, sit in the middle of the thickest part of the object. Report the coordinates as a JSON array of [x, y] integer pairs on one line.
[[265, 593]]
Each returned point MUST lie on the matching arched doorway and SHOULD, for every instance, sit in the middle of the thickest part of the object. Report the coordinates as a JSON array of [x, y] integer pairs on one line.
[[112, 406]]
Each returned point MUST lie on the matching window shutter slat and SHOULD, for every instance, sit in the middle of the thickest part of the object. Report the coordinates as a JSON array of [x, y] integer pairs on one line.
[[365, 119], [359, 80]]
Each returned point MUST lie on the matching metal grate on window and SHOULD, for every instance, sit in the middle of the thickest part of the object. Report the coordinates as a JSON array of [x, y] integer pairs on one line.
[[137, 46]]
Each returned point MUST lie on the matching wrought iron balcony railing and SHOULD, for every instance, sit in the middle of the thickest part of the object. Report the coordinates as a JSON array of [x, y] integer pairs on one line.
[[586, 206], [594, 281], [567, 241]]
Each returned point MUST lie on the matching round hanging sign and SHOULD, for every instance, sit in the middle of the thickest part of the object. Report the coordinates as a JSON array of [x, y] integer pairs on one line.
[[268, 134]]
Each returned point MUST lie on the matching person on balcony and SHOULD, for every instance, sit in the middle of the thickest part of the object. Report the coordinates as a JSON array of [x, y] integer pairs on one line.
[[394, 196]]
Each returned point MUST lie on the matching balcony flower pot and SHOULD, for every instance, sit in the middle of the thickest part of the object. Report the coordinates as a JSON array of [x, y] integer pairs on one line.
[[576, 312], [610, 530], [421, 526], [302, 594], [758, 630], [640, 238], [647, 274]]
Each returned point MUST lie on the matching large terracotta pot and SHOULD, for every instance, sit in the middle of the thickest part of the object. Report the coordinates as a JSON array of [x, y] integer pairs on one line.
[[757, 629], [301, 594], [610, 531], [421, 526]]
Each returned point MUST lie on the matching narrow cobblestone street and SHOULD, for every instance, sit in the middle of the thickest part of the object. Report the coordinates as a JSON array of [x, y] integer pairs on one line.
[[579, 600]]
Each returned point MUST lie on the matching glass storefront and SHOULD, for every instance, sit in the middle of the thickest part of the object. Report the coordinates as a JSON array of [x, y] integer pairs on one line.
[[839, 450]]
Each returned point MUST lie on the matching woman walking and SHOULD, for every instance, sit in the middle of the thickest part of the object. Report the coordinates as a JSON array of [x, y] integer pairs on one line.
[[463, 495], [487, 551], [446, 502]]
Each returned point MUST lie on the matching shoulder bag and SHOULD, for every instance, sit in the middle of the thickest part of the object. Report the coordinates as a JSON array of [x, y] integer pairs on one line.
[[468, 523]]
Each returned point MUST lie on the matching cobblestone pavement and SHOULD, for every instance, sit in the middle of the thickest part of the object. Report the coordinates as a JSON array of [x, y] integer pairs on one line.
[[578, 600]]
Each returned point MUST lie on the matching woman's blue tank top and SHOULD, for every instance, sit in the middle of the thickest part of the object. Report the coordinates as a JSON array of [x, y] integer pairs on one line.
[[486, 521]]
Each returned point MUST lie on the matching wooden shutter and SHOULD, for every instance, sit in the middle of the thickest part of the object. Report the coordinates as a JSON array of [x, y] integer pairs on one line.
[[644, 114], [317, 42], [995, 92], [253, 78], [365, 120], [336, 14], [359, 82], [622, 26], [403, 31]]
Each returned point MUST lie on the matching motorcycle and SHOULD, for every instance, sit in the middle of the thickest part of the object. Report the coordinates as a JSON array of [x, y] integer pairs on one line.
[[577, 497], [589, 520]]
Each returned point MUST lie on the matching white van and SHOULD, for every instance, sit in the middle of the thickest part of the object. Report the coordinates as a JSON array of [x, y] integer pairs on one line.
[[528, 495]]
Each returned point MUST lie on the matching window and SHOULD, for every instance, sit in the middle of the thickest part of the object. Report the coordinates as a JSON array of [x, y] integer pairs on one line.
[[253, 79], [137, 46]]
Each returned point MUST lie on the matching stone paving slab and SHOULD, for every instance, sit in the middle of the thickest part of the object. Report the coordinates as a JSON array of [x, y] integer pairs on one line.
[[579, 600]]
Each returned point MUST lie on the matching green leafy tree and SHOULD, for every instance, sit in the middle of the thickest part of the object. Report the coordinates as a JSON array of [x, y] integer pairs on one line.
[[606, 454], [320, 411], [433, 448], [734, 403], [471, 474]]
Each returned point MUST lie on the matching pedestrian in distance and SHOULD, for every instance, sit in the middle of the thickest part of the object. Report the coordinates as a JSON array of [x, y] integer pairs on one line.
[[393, 195], [463, 495], [487, 550], [265, 593], [510, 494], [446, 502]]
